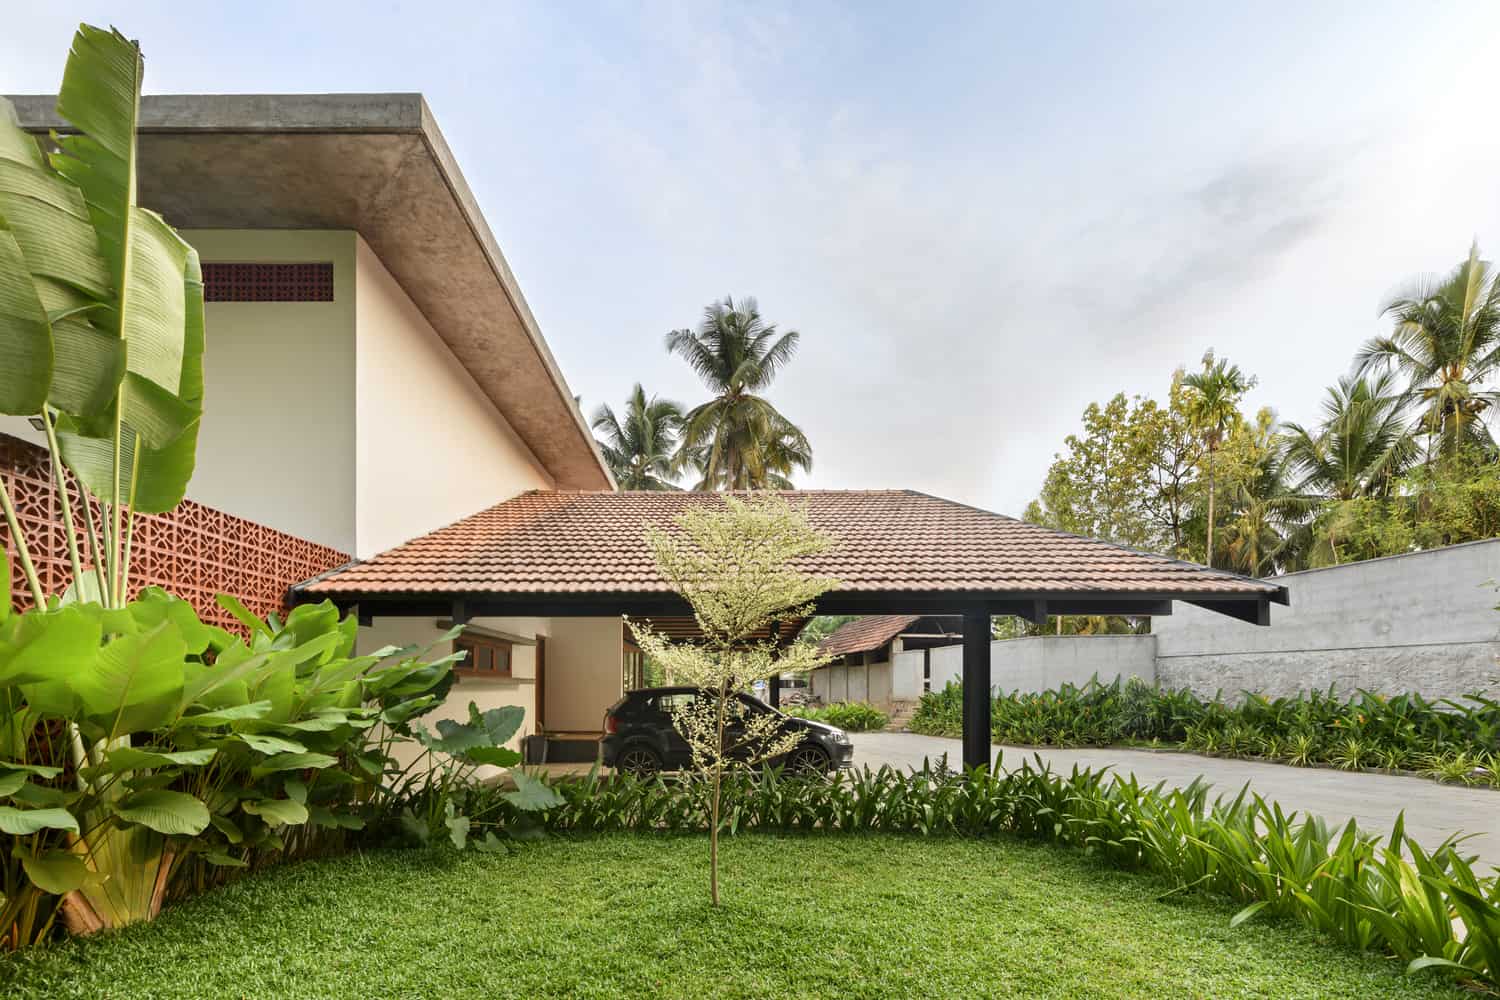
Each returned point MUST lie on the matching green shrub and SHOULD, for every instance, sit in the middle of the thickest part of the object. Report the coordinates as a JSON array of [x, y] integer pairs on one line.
[[853, 716], [1457, 739], [144, 754], [1424, 907]]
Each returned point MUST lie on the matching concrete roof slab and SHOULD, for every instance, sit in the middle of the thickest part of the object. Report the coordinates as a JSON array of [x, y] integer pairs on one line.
[[376, 164]]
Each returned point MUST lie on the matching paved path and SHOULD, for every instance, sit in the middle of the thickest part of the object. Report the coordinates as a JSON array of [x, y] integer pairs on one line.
[[1433, 811]]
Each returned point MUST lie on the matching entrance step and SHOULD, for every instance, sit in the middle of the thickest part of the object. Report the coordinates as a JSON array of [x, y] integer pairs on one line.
[[900, 716]]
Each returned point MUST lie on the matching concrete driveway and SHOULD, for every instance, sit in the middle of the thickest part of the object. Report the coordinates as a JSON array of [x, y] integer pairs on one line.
[[1433, 811]]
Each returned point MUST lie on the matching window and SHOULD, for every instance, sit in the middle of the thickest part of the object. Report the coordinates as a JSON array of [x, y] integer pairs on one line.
[[483, 657], [675, 702]]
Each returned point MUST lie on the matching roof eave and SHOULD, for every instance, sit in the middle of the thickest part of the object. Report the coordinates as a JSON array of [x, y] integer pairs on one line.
[[1031, 605], [573, 464]]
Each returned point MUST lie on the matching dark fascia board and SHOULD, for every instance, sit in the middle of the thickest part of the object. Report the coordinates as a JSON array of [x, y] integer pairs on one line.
[[359, 114], [461, 607]]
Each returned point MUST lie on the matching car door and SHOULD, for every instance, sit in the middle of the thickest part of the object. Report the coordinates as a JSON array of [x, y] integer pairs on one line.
[[746, 707]]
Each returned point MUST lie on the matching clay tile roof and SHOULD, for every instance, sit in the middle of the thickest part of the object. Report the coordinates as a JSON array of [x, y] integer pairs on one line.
[[865, 634], [592, 542]]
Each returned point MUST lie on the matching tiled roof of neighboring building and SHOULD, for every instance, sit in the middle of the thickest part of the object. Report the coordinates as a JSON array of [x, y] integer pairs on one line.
[[593, 542], [865, 634]]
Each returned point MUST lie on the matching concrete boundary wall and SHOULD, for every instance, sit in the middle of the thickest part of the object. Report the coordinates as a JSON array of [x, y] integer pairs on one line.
[[1045, 662], [1423, 622]]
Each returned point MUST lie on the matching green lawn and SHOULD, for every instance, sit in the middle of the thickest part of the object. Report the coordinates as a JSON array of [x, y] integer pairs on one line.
[[627, 916]]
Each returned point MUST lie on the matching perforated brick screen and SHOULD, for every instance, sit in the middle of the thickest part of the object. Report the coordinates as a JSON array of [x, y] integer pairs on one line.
[[196, 552], [233, 282]]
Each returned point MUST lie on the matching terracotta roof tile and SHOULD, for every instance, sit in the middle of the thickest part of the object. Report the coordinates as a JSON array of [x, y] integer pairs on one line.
[[551, 542], [865, 634]]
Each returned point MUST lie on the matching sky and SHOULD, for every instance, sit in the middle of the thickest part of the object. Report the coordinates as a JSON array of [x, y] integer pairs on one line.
[[980, 217]]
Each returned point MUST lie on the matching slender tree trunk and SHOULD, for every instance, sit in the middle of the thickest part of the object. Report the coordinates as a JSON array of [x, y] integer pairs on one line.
[[1208, 559], [713, 829], [713, 840]]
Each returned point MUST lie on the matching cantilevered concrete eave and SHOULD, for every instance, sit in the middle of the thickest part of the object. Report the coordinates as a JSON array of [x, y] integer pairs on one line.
[[379, 165]]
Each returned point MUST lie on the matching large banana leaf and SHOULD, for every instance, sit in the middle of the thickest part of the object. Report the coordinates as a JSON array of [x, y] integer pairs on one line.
[[154, 307], [52, 278]]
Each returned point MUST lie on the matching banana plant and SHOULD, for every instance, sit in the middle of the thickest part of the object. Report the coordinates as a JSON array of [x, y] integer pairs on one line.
[[101, 316], [101, 338]]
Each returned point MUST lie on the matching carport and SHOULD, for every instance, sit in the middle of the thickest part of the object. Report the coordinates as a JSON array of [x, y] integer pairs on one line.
[[559, 554]]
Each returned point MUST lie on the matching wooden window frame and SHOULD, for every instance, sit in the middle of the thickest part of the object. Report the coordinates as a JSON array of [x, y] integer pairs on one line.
[[477, 644]]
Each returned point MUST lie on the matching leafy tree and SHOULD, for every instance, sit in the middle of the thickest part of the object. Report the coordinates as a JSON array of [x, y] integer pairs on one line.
[[1264, 509], [1446, 344], [1176, 452], [639, 448], [1099, 487], [1213, 406], [738, 440], [736, 567], [1131, 477], [1457, 500]]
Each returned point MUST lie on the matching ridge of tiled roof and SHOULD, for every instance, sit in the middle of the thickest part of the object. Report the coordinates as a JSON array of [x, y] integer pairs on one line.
[[593, 541]]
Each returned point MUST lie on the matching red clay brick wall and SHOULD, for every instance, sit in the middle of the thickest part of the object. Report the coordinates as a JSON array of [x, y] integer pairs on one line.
[[195, 552]]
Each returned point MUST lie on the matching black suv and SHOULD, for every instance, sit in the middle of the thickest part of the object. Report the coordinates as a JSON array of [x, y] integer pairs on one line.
[[639, 736]]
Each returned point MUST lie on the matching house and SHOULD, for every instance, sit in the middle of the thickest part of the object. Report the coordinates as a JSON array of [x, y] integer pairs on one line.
[[572, 562], [867, 662], [373, 371], [386, 428]]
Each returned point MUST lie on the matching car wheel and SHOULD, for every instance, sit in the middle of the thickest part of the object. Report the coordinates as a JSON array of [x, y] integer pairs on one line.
[[808, 760], [639, 760]]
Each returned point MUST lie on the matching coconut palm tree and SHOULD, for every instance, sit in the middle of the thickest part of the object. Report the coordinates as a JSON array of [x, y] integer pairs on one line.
[[1362, 445], [1213, 406], [639, 448], [1446, 344], [1265, 511], [738, 440]]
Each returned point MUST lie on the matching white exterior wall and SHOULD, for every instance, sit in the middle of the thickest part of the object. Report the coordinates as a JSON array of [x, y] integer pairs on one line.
[[432, 448], [878, 683], [906, 675], [1423, 622], [858, 682], [349, 423], [1044, 663], [276, 445], [584, 672]]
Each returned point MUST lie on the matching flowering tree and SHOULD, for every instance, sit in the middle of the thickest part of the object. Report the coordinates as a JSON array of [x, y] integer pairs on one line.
[[736, 568]]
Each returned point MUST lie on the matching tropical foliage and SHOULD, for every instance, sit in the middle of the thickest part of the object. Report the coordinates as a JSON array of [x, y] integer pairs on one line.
[[738, 440], [851, 716], [1446, 344], [241, 750], [1213, 406], [736, 567], [101, 314], [1450, 740], [640, 445], [1427, 906], [1402, 457]]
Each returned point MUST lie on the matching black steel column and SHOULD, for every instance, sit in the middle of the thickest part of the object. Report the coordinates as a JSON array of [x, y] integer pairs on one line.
[[976, 689], [773, 683]]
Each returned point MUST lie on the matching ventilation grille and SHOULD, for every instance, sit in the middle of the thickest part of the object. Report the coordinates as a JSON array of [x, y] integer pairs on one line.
[[311, 282]]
